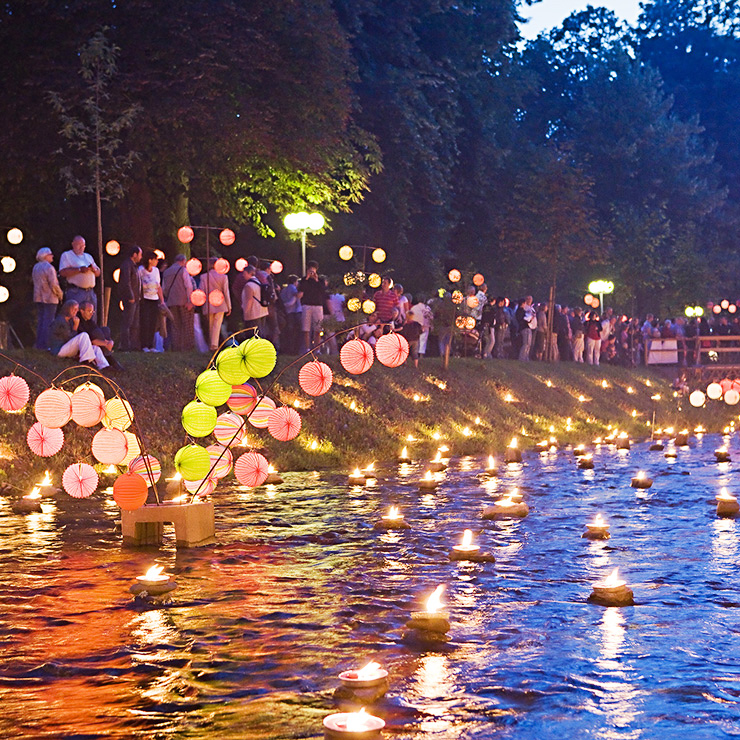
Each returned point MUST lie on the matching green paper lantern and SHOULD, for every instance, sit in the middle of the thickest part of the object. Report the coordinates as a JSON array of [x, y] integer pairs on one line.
[[199, 419], [210, 389], [259, 356], [230, 366], [192, 462]]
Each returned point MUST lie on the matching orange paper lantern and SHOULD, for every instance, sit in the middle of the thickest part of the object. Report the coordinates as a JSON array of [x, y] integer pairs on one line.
[[53, 408], [227, 237], [215, 297], [44, 441], [284, 423], [315, 378], [80, 480], [221, 266], [14, 393], [251, 469], [356, 356], [130, 491], [194, 266], [392, 349], [198, 297], [185, 234], [478, 279], [109, 446], [88, 407]]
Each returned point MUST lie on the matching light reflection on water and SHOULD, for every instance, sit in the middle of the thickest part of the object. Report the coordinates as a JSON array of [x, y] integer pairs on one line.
[[300, 587]]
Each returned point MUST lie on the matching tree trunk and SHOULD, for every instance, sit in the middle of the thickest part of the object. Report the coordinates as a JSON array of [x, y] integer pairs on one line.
[[550, 346]]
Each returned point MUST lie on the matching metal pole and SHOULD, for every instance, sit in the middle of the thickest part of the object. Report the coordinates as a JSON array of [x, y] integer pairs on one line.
[[303, 251], [601, 303]]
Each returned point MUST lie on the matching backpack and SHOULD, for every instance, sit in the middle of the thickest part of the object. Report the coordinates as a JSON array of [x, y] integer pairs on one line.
[[267, 292]]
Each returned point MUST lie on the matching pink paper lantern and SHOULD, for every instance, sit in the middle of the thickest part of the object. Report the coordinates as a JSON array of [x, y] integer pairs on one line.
[[227, 237], [203, 487], [185, 234], [229, 429], [198, 297], [88, 407], [215, 297], [148, 467], [110, 446], [726, 384], [80, 480], [53, 408], [356, 356], [392, 349], [240, 264], [194, 266], [221, 460], [44, 441], [243, 399], [284, 423], [14, 393], [221, 266], [251, 469], [260, 417], [315, 378]]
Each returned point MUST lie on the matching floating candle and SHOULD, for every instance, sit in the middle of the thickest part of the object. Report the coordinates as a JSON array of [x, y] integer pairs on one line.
[[682, 438], [466, 550], [641, 480], [513, 454], [623, 441], [727, 505], [273, 477], [357, 477], [433, 618], [153, 582], [722, 455], [366, 677], [597, 530], [369, 471], [352, 725], [392, 520], [658, 445], [491, 466], [28, 504], [428, 482], [579, 451], [506, 508], [437, 465], [612, 591], [586, 462], [404, 456]]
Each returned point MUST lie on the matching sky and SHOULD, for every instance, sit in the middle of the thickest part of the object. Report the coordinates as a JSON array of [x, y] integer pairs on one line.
[[550, 13]]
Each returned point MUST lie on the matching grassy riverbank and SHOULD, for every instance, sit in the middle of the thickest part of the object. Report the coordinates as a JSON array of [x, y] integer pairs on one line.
[[369, 417]]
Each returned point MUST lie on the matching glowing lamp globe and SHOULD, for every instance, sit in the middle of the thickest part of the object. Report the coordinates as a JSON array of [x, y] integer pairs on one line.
[[53, 408], [259, 356], [315, 378], [250, 469], [227, 237], [198, 419], [346, 252], [354, 304], [4, 294], [276, 267], [243, 399], [118, 414], [260, 417], [240, 264], [44, 441], [8, 264], [392, 349], [192, 462], [732, 397], [215, 297], [194, 266], [211, 389], [14, 393], [130, 491], [109, 446], [368, 306], [356, 356], [374, 280], [148, 467], [221, 266], [88, 407], [714, 391], [221, 460], [284, 423], [478, 279], [185, 234], [454, 276], [457, 297], [133, 449], [229, 429], [230, 366], [198, 297], [80, 480], [378, 255], [697, 398], [112, 247], [15, 236]]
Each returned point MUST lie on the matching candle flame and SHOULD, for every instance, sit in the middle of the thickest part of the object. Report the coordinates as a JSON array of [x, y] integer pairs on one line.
[[428, 475], [630, 389], [180, 499], [35, 494], [506, 501], [613, 578], [368, 671], [314, 445], [604, 384], [491, 462], [548, 383], [370, 467], [466, 432], [438, 457], [271, 468], [393, 513], [46, 480], [410, 438], [508, 398], [514, 443], [477, 420], [699, 430], [356, 473], [153, 573], [443, 448], [434, 602], [405, 452], [599, 521], [725, 495], [356, 721], [467, 539], [436, 435], [581, 398], [640, 475]]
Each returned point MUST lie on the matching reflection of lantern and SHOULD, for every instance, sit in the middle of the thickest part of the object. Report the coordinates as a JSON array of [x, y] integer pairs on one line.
[[230, 366], [392, 349], [284, 423], [276, 267], [259, 356], [457, 297], [198, 419], [240, 264], [697, 399], [356, 356], [130, 491], [194, 266], [88, 407], [53, 408], [242, 399], [109, 446], [14, 393], [192, 462], [346, 252], [454, 276], [227, 237], [211, 389], [80, 480], [374, 280], [44, 441], [229, 428], [118, 414], [261, 415], [478, 279], [112, 247], [215, 297], [460, 322], [368, 306], [221, 266], [198, 297], [251, 469], [354, 304], [148, 467], [315, 378], [185, 234], [378, 255]]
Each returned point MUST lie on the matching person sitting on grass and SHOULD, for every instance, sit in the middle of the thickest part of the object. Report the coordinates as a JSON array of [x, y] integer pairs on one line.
[[99, 336], [68, 341]]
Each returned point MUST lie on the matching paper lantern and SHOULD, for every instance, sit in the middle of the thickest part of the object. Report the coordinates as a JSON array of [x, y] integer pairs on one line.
[[221, 266], [44, 441], [133, 449], [53, 408], [243, 399], [356, 356], [725, 384], [192, 462], [194, 266], [185, 234], [148, 467], [284, 423], [229, 429], [732, 397], [87, 386], [736, 385], [14, 393], [215, 297], [109, 446], [227, 237], [198, 297], [697, 399], [118, 414], [454, 276], [259, 356], [240, 264], [198, 419], [478, 279], [203, 487], [80, 480], [276, 267], [714, 391], [210, 389], [315, 378], [260, 417], [88, 407], [251, 469], [392, 349], [130, 491], [221, 460], [230, 366]]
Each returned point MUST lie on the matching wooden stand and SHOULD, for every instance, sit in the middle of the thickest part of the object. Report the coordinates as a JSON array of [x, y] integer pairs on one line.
[[194, 524]]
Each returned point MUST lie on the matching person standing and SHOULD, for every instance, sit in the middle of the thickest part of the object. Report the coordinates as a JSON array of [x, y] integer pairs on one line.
[[312, 295], [577, 332], [218, 303], [386, 301], [251, 299], [592, 329], [78, 268], [46, 295], [130, 286], [293, 311], [177, 286], [151, 299], [422, 314], [527, 321]]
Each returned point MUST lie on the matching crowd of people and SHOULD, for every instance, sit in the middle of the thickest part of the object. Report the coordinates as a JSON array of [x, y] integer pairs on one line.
[[164, 307]]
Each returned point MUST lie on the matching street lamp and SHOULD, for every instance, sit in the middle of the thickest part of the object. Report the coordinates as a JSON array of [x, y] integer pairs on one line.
[[304, 222], [602, 287]]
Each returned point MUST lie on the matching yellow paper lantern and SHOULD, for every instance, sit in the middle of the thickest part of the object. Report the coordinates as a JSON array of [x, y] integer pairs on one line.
[[198, 419]]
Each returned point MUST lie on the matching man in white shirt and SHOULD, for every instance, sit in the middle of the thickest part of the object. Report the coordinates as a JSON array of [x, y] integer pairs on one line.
[[78, 268]]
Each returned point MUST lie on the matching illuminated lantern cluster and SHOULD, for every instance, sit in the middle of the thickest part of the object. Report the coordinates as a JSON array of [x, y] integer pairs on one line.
[[591, 300], [727, 389]]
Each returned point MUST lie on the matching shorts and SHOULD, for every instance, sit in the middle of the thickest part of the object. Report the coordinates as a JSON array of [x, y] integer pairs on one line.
[[312, 318]]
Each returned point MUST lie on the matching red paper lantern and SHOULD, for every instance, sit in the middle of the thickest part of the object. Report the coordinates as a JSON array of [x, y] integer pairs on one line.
[[198, 297], [110, 446], [185, 234], [478, 279], [356, 356], [80, 480], [251, 469], [53, 408], [725, 384], [194, 266], [284, 423], [44, 441], [392, 349], [88, 407], [221, 266], [215, 297], [130, 491], [227, 237], [14, 393], [315, 378]]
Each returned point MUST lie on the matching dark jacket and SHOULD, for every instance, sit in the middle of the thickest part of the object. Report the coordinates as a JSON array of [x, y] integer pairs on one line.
[[129, 282]]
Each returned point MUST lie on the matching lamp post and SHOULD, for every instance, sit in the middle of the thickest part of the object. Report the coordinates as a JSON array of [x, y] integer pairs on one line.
[[602, 287], [304, 222]]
